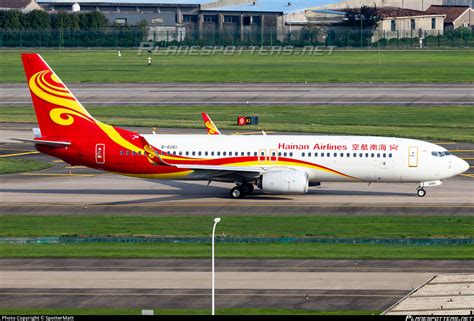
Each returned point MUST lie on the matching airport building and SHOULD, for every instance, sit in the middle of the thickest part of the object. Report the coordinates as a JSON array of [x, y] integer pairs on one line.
[[211, 22], [178, 18], [24, 6]]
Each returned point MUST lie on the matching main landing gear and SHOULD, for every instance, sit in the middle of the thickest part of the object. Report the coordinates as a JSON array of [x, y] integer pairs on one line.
[[420, 191], [240, 191]]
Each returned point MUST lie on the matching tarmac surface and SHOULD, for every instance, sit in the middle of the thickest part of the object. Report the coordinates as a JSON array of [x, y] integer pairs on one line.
[[256, 94], [175, 283], [445, 294], [72, 190], [185, 283]]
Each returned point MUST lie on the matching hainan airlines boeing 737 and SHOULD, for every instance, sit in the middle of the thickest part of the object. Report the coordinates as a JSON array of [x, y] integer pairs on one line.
[[278, 164]]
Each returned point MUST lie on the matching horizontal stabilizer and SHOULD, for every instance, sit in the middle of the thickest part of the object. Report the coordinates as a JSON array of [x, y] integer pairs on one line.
[[44, 142]]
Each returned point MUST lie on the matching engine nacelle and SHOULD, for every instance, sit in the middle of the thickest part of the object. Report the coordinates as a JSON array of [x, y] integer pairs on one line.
[[284, 182]]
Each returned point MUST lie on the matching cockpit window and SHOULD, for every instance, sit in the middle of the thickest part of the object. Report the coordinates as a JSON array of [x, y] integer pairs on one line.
[[440, 154]]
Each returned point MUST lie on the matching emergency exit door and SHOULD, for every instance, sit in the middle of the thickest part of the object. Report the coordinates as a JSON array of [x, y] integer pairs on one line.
[[100, 153], [412, 156]]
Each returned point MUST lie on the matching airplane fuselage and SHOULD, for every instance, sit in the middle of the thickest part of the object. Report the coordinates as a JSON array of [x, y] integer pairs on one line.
[[323, 158]]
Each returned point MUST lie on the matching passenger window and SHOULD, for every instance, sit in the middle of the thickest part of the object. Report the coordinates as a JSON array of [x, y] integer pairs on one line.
[[212, 153], [348, 155], [254, 153], [127, 152], [187, 153], [328, 154], [242, 154], [121, 153], [335, 154], [274, 154], [302, 154], [206, 153], [384, 155], [367, 155], [194, 153], [342, 154], [291, 154], [224, 153], [279, 153], [248, 153], [180, 153], [372, 155], [378, 155], [133, 153], [230, 153], [284, 154], [218, 153], [354, 155], [390, 155]]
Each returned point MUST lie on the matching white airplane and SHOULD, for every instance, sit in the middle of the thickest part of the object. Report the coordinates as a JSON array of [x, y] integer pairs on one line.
[[278, 164]]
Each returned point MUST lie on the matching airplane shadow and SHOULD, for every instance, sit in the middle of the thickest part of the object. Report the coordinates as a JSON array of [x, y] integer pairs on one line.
[[358, 193]]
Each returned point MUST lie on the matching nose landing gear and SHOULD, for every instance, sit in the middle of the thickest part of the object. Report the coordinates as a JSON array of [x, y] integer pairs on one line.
[[420, 192], [241, 191]]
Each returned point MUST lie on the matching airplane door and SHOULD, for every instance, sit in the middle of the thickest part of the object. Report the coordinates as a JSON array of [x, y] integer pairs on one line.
[[100, 153], [262, 155], [273, 155], [412, 156]]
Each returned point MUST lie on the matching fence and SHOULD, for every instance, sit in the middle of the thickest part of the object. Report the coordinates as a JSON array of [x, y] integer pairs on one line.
[[298, 38]]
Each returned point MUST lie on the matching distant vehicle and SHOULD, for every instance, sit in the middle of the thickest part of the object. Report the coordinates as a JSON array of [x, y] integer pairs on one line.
[[278, 164]]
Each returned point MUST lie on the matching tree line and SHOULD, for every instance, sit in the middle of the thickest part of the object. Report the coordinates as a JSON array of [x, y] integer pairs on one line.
[[38, 20]]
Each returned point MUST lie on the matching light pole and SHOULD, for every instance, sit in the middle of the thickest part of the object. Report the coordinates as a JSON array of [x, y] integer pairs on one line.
[[216, 220]]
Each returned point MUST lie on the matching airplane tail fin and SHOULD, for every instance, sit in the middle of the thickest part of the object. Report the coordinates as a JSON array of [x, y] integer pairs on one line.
[[211, 128], [59, 113]]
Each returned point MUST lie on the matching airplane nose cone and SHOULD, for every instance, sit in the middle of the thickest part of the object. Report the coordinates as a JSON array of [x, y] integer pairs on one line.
[[461, 166]]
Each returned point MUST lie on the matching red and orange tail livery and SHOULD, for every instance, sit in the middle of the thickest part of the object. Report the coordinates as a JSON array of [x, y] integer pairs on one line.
[[61, 117], [211, 128], [59, 113]]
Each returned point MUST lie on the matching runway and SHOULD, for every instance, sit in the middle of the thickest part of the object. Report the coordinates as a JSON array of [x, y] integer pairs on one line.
[[256, 94], [103, 194], [185, 283]]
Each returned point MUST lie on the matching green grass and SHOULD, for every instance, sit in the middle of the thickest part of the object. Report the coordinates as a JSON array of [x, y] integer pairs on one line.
[[300, 226], [424, 123], [238, 226], [232, 250], [9, 165], [219, 311], [342, 66]]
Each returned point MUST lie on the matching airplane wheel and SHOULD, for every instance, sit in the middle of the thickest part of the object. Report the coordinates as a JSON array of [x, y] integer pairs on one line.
[[247, 188], [237, 192], [421, 192]]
